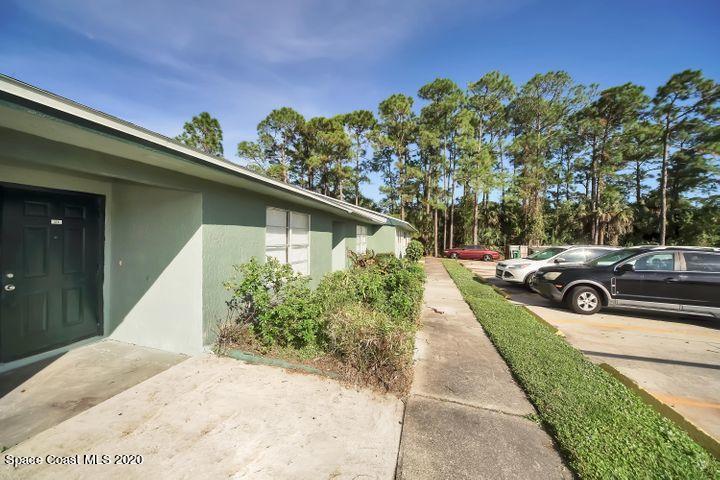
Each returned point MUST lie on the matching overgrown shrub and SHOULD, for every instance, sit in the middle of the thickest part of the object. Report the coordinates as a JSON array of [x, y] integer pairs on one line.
[[364, 317], [394, 288], [384, 258], [403, 282], [355, 285], [414, 251], [362, 260], [230, 333], [372, 343], [276, 303]]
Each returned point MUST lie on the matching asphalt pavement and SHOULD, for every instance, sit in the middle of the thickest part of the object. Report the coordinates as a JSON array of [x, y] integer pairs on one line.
[[673, 357]]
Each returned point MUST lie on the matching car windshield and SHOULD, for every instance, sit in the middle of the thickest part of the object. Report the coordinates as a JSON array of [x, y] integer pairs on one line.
[[547, 253], [613, 257]]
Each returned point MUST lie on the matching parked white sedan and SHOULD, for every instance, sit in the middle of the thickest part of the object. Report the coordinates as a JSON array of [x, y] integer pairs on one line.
[[522, 270]]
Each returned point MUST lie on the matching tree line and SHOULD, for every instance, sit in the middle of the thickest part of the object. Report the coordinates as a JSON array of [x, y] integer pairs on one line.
[[548, 161]]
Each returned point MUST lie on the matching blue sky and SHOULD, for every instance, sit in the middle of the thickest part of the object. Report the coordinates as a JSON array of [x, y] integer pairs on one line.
[[159, 63]]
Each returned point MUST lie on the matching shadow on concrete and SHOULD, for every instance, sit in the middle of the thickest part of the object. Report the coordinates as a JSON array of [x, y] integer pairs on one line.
[[652, 359], [523, 295], [685, 319], [9, 381], [43, 394]]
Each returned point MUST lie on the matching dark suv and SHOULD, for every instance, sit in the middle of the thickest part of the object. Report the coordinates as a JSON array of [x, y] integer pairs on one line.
[[671, 279]]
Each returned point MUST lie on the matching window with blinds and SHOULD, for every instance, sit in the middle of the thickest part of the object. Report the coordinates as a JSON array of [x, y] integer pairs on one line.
[[402, 239], [361, 235], [287, 238]]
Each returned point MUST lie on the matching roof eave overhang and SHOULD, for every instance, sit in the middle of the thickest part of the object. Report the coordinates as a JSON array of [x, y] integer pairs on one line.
[[32, 95]]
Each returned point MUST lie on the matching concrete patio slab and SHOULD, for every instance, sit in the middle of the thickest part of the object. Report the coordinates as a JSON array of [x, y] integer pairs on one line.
[[212, 417], [38, 396]]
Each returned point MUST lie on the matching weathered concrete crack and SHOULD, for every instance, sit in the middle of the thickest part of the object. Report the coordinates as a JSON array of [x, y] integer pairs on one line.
[[398, 458], [470, 405]]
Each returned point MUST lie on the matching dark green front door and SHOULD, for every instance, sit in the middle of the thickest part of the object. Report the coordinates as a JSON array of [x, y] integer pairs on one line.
[[51, 267]]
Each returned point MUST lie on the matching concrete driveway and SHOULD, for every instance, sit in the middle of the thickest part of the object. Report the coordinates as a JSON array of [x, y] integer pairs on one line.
[[675, 358], [212, 417]]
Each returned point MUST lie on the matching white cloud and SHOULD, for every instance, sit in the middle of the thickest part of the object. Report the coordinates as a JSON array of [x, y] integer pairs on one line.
[[238, 59], [182, 33]]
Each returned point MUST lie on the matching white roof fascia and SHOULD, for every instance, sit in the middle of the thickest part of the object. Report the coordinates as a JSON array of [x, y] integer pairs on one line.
[[56, 102]]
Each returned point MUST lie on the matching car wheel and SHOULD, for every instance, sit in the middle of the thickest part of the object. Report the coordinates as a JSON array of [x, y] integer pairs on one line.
[[529, 279], [487, 258], [584, 300], [453, 255]]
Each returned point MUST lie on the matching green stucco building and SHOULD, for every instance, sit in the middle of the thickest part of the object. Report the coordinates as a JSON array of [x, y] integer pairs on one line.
[[111, 230]]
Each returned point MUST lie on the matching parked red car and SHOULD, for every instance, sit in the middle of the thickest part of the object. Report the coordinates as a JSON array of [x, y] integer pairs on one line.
[[473, 252]]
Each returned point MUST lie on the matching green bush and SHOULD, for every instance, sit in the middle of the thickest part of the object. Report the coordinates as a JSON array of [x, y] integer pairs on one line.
[[372, 343], [394, 288], [384, 258], [604, 429], [355, 285], [362, 260], [364, 316], [414, 251], [403, 282], [276, 303]]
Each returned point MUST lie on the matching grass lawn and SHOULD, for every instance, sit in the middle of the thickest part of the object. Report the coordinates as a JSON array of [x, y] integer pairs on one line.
[[604, 430]]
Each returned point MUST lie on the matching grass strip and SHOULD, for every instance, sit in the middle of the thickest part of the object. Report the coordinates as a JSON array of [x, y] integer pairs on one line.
[[604, 429]]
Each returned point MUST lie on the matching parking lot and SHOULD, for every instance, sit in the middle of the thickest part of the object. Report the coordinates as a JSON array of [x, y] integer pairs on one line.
[[675, 358]]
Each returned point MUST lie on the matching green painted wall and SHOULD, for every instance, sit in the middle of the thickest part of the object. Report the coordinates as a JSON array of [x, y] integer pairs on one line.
[[156, 268], [351, 236], [171, 239], [343, 240], [152, 256], [234, 232], [382, 239]]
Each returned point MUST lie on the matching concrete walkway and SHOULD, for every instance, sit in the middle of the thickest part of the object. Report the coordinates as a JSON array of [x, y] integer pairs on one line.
[[466, 417]]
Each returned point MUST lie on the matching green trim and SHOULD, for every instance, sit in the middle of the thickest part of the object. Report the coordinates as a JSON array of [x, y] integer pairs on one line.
[[275, 362]]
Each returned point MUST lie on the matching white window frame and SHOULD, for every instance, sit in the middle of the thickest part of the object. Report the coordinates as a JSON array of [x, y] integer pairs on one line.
[[402, 239], [289, 233], [361, 238]]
